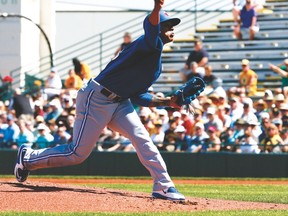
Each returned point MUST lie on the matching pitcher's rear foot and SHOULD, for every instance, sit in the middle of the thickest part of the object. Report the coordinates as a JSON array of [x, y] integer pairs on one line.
[[20, 171]]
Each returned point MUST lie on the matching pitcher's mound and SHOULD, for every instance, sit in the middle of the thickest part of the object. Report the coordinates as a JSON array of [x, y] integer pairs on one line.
[[54, 197]]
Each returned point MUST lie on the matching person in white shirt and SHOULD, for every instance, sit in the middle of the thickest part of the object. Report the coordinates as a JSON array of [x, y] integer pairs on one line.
[[53, 84]]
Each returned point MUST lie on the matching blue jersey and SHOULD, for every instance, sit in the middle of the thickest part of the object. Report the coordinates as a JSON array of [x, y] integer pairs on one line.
[[136, 68]]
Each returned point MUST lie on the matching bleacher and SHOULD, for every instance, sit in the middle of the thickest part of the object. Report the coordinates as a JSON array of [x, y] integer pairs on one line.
[[226, 52]]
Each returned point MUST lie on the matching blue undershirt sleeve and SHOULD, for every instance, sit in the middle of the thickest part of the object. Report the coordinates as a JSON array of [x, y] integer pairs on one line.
[[142, 99]]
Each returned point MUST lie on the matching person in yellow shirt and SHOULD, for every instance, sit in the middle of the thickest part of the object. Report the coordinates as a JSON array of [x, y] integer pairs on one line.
[[73, 81], [248, 78], [82, 69]]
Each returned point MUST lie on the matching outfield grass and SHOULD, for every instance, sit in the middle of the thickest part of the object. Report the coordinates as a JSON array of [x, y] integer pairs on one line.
[[246, 192]]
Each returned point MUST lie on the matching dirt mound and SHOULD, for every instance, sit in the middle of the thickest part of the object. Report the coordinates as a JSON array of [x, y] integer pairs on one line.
[[55, 197]]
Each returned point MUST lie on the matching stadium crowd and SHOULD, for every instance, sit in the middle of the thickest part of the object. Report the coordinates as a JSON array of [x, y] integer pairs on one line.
[[222, 121]]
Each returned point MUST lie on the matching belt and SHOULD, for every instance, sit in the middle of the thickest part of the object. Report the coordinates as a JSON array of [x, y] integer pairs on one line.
[[106, 92], [112, 96]]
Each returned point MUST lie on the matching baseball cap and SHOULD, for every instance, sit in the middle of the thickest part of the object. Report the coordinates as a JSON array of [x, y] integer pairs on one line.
[[164, 17], [283, 106], [10, 117], [158, 122], [248, 101], [264, 115], [212, 128], [41, 126], [253, 122], [240, 122], [245, 62], [180, 129], [176, 114], [162, 112], [199, 125], [53, 69], [279, 97], [277, 121], [211, 110]]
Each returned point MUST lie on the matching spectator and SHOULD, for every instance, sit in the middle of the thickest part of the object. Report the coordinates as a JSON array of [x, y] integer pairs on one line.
[[269, 100], [55, 110], [198, 139], [73, 81], [214, 121], [284, 114], [239, 130], [248, 144], [112, 142], [208, 77], [236, 108], [3, 126], [70, 121], [248, 110], [282, 70], [182, 140], [214, 97], [260, 106], [25, 135], [284, 136], [61, 136], [170, 136], [53, 84], [38, 109], [44, 139], [265, 124], [82, 70], [253, 126], [197, 118], [213, 143], [272, 140], [237, 7], [186, 120], [127, 39], [176, 115], [11, 132], [219, 90], [163, 116], [227, 139], [248, 22], [278, 122], [193, 71], [275, 114], [224, 117], [248, 78], [198, 55], [158, 136], [22, 106], [144, 115]]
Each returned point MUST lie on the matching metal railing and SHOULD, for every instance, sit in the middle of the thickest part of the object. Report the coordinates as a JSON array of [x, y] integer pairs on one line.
[[98, 49]]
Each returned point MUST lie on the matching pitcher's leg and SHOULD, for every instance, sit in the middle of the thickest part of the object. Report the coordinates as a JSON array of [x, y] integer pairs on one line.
[[127, 122], [92, 115]]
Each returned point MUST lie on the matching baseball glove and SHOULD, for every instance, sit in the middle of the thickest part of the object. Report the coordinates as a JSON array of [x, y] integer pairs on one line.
[[189, 91]]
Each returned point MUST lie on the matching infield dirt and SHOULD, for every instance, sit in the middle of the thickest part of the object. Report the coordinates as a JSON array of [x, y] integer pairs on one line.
[[59, 195]]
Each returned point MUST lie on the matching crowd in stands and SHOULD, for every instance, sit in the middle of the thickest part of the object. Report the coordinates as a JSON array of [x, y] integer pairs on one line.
[[222, 121]]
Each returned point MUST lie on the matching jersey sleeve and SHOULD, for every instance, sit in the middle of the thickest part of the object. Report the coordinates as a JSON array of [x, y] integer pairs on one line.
[[143, 99], [151, 34]]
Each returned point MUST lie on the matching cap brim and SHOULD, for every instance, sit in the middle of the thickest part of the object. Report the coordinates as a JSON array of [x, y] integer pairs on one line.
[[174, 21]]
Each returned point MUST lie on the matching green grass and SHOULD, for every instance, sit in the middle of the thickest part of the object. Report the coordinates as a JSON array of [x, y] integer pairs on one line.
[[257, 193], [245, 192]]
